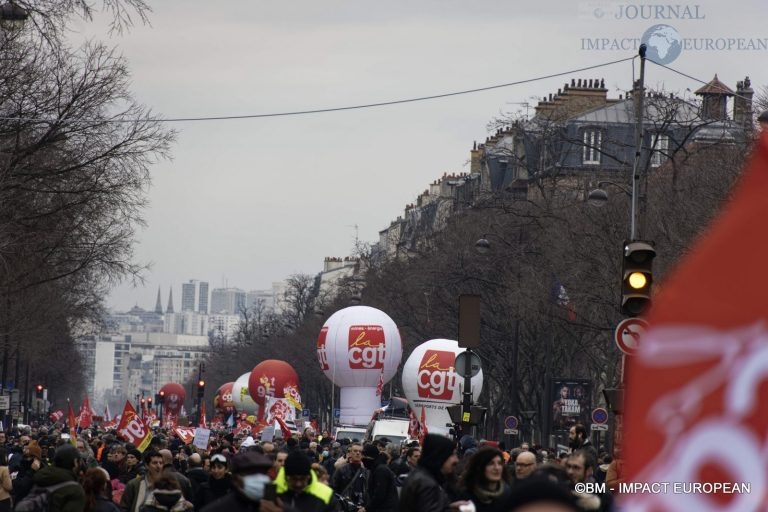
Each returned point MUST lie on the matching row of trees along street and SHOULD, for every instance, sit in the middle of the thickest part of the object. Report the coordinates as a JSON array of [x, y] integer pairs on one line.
[[549, 283], [73, 184]]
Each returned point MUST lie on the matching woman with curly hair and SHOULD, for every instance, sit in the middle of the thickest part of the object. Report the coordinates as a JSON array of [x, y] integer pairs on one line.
[[96, 485], [482, 481]]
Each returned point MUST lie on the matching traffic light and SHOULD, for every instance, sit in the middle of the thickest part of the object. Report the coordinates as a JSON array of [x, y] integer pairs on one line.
[[39, 390], [637, 277], [161, 397], [149, 402], [200, 388]]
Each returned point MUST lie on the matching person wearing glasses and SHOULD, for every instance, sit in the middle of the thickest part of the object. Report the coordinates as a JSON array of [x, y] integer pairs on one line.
[[525, 465], [219, 482]]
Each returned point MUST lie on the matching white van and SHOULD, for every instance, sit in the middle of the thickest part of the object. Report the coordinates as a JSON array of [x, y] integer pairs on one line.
[[350, 432], [394, 429]]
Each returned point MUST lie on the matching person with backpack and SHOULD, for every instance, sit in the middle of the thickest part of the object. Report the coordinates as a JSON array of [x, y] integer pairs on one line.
[[56, 487]]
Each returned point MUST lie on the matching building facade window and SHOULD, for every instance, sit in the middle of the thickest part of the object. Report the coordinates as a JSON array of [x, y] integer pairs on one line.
[[593, 141], [659, 148]]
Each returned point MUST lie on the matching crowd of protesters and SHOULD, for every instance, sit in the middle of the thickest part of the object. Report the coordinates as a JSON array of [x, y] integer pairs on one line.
[[98, 472]]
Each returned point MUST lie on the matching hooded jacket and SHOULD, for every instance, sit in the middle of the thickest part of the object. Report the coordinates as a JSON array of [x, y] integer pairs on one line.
[[423, 490], [69, 498]]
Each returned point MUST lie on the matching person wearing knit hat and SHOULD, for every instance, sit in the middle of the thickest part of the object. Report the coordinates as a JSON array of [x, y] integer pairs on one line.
[[423, 490], [298, 486]]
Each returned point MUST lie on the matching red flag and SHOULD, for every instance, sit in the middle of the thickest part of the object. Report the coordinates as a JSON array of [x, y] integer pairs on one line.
[[133, 428], [72, 423], [203, 422], [56, 415], [85, 418], [380, 383], [283, 427], [423, 426], [413, 425], [696, 408]]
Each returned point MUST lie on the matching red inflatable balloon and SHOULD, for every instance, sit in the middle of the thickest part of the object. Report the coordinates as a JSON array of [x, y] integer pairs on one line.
[[269, 378], [174, 397], [222, 402]]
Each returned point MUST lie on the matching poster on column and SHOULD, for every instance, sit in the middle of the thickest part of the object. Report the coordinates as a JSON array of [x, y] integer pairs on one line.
[[571, 403]]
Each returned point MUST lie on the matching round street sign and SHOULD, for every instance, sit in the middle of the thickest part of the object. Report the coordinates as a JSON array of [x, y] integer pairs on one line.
[[459, 366], [628, 334], [510, 422], [599, 415]]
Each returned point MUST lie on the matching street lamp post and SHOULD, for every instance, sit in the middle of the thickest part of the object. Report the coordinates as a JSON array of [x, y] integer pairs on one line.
[[483, 246]]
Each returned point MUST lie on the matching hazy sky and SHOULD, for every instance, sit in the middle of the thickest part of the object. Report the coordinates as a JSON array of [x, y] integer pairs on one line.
[[249, 202]]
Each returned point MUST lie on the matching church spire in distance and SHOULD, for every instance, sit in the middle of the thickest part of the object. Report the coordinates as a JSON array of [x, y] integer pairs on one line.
[[169, 309], [158, 305]]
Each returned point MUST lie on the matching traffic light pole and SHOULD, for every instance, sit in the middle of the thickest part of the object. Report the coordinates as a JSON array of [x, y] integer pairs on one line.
[[639, 114]]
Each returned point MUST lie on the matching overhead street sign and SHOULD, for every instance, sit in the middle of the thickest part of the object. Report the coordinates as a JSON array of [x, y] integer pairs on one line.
[[628, 334]]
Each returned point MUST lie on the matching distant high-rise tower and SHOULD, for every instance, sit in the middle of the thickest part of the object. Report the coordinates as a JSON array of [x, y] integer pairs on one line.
[[158, 305], [228, 300], [188, 296], [169, 309], [202, 304]]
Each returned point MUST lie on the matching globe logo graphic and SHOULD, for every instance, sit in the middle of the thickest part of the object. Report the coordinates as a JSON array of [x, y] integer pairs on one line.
[[663, 42], [599, 13]]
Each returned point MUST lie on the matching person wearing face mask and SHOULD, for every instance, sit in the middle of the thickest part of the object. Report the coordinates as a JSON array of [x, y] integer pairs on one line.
[[249, 481], [166, 497]]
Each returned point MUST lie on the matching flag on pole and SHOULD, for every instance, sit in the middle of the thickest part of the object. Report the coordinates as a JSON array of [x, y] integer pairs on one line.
[[203, 423], [72, 424], [283, 427], [560, 297], [85, 418], [696, 412], [380, 383], [422, 426], [107, 414], [133, 429]]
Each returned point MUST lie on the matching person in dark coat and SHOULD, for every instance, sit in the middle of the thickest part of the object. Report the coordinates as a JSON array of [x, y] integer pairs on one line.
[[382, 488], [31, 463], [424, 489], [67, 465], [249, 481], [217, 485]]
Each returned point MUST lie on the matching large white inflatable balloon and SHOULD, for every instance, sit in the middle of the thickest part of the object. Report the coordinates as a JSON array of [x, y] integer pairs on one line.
[[430, 382], [241, 397], [357, 347]]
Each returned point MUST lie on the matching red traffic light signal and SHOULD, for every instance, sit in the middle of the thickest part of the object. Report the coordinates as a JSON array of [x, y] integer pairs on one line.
[[201, 383], [39, 388], [149, 401]]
